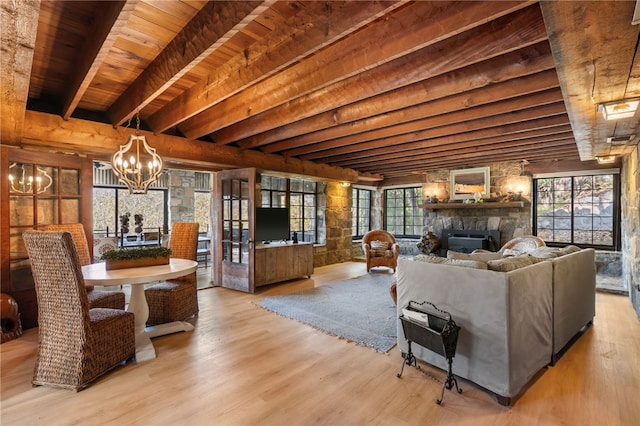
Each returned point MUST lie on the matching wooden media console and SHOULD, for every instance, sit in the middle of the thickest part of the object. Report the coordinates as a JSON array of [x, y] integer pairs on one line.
[[282, 261]]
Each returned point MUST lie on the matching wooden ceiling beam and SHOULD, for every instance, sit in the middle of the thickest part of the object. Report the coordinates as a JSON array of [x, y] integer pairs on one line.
[[472, 47], [481, 159], [214, 24], [534, 128], [515, 148], [422, 130], [90, 138], [471, 144], [595, 47], [481, 102], [18, 25], [496, 130], [383, 40], [312, 28], [106, 30], [529, 60]]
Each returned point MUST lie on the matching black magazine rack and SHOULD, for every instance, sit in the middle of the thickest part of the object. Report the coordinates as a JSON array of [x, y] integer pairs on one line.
[[433, 329]]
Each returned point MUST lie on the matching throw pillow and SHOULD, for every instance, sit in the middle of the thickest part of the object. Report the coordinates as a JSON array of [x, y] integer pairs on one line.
[[511, 252], [544, 252], [381, 253], [101, 245], [510, 263], [380, 245]]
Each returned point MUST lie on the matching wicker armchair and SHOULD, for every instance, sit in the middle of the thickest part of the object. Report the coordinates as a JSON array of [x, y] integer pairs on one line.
[[176, 300], [380, 249], [97, 299], [76, 344]]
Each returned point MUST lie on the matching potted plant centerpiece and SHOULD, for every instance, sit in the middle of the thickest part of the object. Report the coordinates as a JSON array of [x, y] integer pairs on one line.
[[136, 257]]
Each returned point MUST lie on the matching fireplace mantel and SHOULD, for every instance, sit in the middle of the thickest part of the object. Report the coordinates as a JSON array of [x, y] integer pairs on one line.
[[487, 205]]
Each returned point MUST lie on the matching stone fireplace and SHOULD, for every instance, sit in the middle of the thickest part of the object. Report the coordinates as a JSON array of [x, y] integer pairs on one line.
[[498, 213]]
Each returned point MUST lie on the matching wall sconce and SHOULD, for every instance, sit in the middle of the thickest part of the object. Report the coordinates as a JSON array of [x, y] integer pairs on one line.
[[518, 187], [430, 193], [345, 184], [606, 159], [625, 108], [514, 196]]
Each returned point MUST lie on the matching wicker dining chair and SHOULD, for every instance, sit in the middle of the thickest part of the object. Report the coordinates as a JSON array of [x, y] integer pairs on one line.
[[97, 299], [177, 299], [76, 344]]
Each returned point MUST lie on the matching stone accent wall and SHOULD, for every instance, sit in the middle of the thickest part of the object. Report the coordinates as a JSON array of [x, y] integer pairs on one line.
[[630, 226], [181, 196], [337, 247]]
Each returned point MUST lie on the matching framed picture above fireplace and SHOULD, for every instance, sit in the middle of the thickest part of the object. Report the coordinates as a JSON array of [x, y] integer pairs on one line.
[[467, 182]]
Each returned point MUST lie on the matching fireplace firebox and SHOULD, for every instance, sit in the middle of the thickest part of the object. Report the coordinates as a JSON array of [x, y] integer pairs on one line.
[[466, 241]]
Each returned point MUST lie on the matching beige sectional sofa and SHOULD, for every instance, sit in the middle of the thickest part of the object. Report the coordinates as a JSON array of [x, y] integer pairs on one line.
[[515, 318]]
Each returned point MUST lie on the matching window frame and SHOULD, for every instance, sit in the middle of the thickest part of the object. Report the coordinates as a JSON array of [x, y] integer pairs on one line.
[[418, 207], [288, 194], [117, 229], [356, 210], [615, 229]]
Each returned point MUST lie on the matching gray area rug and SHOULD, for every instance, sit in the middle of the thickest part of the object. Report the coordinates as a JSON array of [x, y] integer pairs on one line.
[[359, 310]]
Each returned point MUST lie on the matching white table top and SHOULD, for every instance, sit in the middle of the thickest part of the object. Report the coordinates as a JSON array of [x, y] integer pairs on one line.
[[96, 274]]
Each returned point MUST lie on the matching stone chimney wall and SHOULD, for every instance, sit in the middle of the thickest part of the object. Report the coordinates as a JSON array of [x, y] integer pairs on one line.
[[337, 247], [181, 196]]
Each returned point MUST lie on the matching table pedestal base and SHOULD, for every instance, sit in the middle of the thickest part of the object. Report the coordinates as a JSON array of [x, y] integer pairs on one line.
[[144, 347], [138, 305]]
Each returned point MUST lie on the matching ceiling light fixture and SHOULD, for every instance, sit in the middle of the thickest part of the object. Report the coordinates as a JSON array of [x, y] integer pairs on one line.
[[625, 108], [138, 170], [621, 140], [27, 184], [606, 159]]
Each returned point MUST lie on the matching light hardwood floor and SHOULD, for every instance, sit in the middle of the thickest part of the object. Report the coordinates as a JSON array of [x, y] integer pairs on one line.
[[243, 365]]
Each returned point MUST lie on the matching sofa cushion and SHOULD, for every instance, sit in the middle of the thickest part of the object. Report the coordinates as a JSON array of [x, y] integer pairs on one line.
[[454, 262], [482, 257], [510, 263]]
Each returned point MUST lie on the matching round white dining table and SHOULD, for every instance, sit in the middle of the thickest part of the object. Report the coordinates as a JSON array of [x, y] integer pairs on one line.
[[96, 275]]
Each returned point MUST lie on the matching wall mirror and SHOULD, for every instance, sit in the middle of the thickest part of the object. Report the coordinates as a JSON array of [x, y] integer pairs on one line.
[[466, 182]]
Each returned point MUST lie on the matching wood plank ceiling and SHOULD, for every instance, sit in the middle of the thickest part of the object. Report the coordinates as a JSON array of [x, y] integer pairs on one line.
[[356, 90]]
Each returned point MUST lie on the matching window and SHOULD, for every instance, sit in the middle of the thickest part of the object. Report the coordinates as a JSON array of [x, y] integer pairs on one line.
[[577, 210], [361, 212], [297, 194], [235, 220], [403, 214], [274, 191], [202, 210], [202, 201], [109, 204]]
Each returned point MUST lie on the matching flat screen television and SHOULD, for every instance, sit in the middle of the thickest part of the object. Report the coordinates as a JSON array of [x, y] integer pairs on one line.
[[272, 224]]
